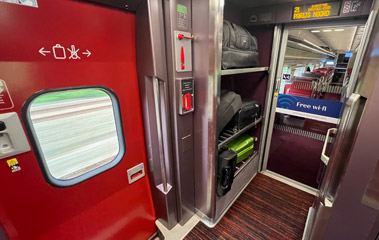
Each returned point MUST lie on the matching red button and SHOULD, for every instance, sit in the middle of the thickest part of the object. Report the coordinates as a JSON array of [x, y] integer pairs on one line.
[[187, 105]]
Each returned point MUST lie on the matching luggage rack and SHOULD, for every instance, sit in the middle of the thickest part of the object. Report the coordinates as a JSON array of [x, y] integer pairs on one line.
[[243, 70], [227, 135], [240, 166]]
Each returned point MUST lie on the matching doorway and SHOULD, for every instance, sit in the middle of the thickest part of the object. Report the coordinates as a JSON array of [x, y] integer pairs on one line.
[[314, 70]]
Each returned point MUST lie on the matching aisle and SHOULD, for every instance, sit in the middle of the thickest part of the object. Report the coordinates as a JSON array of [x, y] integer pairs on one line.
[[267, 209]]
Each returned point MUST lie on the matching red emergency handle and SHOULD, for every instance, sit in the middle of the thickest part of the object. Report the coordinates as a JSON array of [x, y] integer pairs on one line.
[[182, 58], [187, 103], [181, 36]]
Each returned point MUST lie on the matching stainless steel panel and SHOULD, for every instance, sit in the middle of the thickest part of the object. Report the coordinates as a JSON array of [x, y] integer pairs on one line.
[[207, 27], [374, 233], [243, 70], [339, 156], [241, 181], [151, 66], [184, 45], [308, 223], [349, 218], [272, 94], [13, 139], [361, 51], [353, 158], [158, 120], [369, 69], [187, 143], [371, 195], [181, 125], [320, 219]]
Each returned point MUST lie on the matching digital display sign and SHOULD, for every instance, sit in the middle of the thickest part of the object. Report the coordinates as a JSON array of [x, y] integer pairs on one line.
[[319, 10], [348, 54], [329, 63]]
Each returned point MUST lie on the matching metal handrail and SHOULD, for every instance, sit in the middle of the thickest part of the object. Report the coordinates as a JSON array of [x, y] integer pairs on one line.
[[324, 157]]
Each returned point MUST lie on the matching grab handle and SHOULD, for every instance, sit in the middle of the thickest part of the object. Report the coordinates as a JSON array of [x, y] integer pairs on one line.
[[157, 105], [324, 158]]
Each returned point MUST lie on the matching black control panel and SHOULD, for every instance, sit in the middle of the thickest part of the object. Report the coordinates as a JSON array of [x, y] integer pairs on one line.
[[186, 96]]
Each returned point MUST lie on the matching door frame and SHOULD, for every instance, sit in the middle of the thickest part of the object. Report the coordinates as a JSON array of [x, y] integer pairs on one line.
[[274, 84]]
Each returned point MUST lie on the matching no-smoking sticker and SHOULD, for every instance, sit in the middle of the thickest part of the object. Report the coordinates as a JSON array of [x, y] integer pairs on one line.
[[5, 97]]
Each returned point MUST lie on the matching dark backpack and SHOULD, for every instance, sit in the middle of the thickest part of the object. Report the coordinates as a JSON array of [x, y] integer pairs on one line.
[[230, 104], [239, 47]]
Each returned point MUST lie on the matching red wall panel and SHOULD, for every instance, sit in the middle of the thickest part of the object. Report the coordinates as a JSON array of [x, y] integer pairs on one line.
[[105, 206]]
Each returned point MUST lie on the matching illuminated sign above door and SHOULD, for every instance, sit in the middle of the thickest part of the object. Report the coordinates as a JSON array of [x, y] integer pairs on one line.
[[319, 10]]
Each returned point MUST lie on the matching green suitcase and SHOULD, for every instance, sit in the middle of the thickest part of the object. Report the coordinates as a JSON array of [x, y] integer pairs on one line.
[[243, 146]]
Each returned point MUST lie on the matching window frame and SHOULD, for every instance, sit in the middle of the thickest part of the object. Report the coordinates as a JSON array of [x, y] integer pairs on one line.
[[39, 153]]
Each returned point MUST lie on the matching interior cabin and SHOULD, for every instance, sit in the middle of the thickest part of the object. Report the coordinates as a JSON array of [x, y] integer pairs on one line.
[[185, 119]]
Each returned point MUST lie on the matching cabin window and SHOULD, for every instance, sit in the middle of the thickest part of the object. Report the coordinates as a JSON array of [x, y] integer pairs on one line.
[[76, 133]]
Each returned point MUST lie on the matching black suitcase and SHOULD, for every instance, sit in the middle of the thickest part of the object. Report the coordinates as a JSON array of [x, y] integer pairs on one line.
[[239, 47], [250, 111], [230, 104], [225, 174]]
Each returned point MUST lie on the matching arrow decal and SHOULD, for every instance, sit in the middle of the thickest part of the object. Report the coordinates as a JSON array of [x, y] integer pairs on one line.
[[59, 52], [88, 53], [43, 52]]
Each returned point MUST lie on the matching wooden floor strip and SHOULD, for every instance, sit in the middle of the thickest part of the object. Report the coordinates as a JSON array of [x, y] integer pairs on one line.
[[267, 209]]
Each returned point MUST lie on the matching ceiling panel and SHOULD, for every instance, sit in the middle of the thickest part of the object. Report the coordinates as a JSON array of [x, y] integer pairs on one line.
[[338, 39], [358, 38], [260, 3]]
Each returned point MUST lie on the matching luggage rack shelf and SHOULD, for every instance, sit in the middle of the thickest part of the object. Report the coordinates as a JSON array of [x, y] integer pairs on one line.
[[244, 163], [243, 70], [228, 134]]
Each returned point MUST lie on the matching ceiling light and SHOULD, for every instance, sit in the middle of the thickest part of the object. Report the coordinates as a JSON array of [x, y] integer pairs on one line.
[[305, 40], [327, 30], [339, 30], [315, 31]]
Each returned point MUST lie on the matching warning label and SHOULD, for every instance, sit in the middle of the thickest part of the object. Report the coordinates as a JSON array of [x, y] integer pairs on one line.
[[5, 97], [29, 3], [182, 16], [13, 165]]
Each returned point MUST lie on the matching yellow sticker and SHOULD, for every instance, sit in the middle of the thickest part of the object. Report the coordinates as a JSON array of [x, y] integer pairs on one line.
[[276, 94], [13, 165], [12, 162]]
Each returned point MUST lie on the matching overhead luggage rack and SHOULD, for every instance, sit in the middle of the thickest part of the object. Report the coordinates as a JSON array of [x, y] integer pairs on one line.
[[243, 70], [229, 134]]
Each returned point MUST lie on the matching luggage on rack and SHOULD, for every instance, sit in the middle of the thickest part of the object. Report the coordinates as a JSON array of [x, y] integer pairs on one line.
[[243, 146], [225, 174], [230, 103], [250, 111], [239, 47]]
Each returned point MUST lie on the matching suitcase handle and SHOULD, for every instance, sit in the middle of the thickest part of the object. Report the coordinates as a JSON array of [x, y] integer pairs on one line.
[[324, 158]]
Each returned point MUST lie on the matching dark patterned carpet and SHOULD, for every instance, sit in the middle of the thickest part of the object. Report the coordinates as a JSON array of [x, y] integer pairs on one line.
[[267, 209]]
